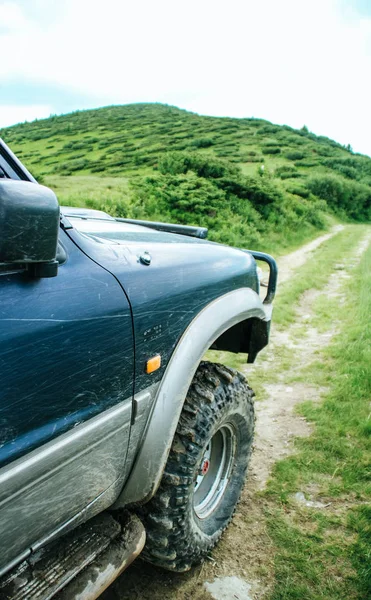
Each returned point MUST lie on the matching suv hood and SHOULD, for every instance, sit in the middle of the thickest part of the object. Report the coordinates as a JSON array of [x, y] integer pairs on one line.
[[184, 275]]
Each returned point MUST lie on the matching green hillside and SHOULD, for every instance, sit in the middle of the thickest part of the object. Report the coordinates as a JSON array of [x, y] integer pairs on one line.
[[249, 181]]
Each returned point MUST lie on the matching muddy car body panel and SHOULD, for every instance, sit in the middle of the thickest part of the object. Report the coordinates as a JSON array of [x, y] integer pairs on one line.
[[64, 361], [184, 276], [83, 425]]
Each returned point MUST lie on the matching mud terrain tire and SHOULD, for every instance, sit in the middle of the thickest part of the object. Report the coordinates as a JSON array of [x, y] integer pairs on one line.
[[205, 471]]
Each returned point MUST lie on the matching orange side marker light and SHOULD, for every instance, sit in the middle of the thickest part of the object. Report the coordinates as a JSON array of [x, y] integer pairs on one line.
[[153, 364]]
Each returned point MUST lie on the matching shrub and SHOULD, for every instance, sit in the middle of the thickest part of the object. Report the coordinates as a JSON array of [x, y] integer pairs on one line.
[[306, 163], [349, 172], [268, 128], [294, 155], [286, 171], [251, 158], [79, 164], [324, 150], [270, 143], [299, 190], [292, 175], [202, 142], [257, 190], [98, 167], [327, 187], [204, 165], [340, 194], [180, 195], [271, 150], [349, 167]]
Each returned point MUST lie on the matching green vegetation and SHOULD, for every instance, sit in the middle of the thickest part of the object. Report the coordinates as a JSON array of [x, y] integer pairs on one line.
[[314, 274], [326, 553], [251, 182]]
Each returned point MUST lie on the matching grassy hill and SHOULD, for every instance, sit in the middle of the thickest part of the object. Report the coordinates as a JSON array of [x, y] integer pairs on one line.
[[249, 181]]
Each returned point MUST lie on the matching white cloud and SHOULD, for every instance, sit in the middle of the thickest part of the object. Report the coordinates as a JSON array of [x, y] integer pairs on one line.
[[17, 114], [11, 17], [289, 62]]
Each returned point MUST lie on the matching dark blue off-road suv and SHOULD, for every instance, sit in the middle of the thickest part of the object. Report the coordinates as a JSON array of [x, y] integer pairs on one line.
[[114, 432]]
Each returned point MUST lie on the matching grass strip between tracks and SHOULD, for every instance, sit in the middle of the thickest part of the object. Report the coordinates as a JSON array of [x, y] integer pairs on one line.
[[324, 551], [315, 273]]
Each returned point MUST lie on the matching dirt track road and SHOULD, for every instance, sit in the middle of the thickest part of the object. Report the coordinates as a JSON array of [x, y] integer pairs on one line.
[[245, 551]]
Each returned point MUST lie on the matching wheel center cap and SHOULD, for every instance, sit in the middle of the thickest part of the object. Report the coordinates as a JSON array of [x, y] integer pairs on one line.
[[205, 466]]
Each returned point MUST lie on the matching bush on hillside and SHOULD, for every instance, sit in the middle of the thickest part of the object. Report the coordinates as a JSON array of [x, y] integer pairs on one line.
[[248, 158], [223, 175], [322, 150], [306, 163], [204, 165], [185, 194], [352, 167], [189, 199], [299, 190], [351, 197], [271, 142], [199, 189], [258, 191], [292, 175], [79, 164], [294, 155], [202, 142], [327, 187], [286, 171], [268, 128], [349, 172], [271, 150]]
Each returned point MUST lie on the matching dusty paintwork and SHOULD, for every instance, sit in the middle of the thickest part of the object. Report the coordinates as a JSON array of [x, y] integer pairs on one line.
[[79, 415], [221, 314], [66, 351], [184, 276]]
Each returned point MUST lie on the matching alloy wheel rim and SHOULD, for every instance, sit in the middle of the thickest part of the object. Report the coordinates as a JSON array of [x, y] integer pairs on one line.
[[214, 471]]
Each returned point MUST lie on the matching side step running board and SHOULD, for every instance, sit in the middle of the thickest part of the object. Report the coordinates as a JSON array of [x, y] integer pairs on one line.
[[81, 564]]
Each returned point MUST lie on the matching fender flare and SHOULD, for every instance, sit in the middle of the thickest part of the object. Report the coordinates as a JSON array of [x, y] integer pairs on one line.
[[206, 327]]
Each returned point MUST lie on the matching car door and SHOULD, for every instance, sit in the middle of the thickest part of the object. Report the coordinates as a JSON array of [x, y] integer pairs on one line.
[[66, 363]]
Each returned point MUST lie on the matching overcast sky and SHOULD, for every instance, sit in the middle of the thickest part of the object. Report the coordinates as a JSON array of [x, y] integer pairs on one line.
[[289, 61]]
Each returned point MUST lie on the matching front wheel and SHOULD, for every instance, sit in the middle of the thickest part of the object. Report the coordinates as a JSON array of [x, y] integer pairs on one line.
[[205, 471]]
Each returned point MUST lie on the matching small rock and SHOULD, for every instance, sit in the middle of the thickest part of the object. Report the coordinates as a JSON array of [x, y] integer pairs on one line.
[[229, 588], [301, 499]]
